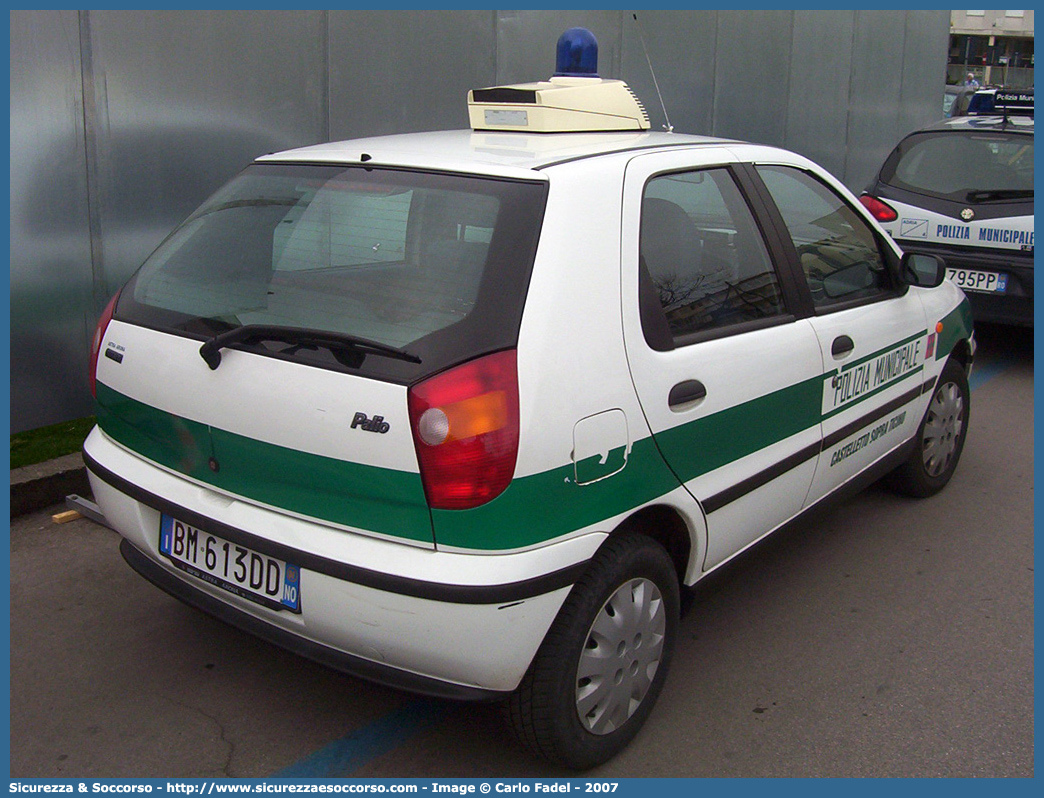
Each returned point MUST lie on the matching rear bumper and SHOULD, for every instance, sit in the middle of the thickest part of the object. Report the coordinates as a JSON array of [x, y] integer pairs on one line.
[[1002, 309], [438, 623], [325, 655]]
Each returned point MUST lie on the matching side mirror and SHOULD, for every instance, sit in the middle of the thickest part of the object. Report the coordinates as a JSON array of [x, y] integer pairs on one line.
[[926, 271]]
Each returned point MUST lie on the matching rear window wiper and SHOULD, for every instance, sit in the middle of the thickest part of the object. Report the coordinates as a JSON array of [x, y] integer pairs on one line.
[[355, 347], [999, 194]]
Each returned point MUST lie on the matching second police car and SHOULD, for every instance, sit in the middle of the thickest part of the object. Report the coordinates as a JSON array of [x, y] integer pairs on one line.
[[963, 189], [462, 412]]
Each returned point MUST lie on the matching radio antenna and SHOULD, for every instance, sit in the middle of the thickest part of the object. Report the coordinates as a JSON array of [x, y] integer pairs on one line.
[[668, 127]]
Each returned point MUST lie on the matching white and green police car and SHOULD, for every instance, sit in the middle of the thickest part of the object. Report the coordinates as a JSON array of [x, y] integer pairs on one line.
[[963, 189], [461, 412]]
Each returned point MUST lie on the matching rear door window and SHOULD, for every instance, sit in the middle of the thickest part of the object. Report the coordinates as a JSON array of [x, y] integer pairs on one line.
[[703, 254]]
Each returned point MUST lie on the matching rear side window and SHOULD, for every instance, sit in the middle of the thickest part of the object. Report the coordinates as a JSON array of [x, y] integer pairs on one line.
[[436, 264], [963, 167], [703, 256], [839, 253]]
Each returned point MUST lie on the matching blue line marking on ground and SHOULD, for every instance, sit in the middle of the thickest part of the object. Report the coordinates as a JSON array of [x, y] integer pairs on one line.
[[982, 374], [344, 756]]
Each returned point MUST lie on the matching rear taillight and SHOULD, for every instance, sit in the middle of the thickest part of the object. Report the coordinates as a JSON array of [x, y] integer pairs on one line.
[[465, 429], [881, 210], [99, 334]]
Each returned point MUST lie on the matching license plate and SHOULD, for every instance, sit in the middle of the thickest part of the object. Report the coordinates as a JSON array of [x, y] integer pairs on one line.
[[972, 280], [237, 569]]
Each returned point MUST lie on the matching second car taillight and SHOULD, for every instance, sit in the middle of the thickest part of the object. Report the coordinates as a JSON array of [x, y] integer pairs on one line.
[[465, 428], [882, 211], [96, 342]]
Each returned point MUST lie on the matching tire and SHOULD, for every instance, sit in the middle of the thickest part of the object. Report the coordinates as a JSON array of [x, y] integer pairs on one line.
[[604, 660], [940, 437]]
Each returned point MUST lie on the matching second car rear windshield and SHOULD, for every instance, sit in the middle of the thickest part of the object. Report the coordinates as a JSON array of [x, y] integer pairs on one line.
[[435, 265], [969, 166]]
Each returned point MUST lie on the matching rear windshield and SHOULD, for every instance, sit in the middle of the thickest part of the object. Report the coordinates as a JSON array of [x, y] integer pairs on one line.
[[964, 166], [434, 265]]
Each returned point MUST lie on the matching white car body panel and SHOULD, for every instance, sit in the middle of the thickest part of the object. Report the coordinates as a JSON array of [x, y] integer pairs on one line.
[[921, 226], [591, 394]]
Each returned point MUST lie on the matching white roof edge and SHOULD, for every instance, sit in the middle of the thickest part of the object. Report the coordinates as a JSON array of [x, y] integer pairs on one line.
[[506, 154]]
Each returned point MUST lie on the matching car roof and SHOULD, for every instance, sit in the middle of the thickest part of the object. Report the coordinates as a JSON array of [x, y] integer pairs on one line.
[[507, 154], [995, 123]]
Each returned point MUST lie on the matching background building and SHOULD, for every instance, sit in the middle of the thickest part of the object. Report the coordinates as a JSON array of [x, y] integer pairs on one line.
[[994, 46], [123, 121]]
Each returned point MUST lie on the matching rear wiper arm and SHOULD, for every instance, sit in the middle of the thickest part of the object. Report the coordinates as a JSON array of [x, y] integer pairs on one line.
[[999, 194], [335, 342]]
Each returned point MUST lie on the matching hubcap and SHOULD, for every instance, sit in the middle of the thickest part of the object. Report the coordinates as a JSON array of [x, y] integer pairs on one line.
[[942, 429], [620, 657]]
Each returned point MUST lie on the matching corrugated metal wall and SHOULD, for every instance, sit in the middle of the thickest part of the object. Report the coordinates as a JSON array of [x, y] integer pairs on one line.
[[123, 121], [51, 275]]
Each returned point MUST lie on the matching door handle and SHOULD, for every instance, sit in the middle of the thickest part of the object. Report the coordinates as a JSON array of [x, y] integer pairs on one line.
[[842, 347], [685, 393]]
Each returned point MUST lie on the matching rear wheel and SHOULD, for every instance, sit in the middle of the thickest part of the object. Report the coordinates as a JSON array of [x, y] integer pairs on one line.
[[600, 669], [940, 438]]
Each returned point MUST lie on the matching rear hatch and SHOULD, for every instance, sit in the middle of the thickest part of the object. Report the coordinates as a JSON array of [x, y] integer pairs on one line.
[[268, 346], [967, 188]]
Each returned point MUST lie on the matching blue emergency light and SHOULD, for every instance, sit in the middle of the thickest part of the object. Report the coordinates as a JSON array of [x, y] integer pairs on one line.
[[573, 100], [577, 54]]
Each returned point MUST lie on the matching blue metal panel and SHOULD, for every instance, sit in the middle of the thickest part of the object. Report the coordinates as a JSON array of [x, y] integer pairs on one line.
[[51, 277], [818, 96], [406, 71], [526, 42], [753, 64], [926, 44], [681, 48], [877, 73], [184, 100]]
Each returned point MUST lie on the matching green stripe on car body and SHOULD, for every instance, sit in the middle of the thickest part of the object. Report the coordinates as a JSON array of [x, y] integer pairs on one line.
[[880, 377], [543, 506], [708, 443], [870, 394], [882, 351], [957, 325], [381, 500], [532, 510]]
